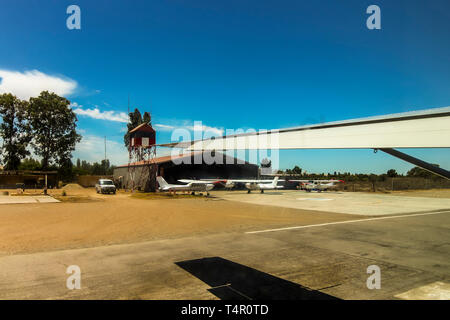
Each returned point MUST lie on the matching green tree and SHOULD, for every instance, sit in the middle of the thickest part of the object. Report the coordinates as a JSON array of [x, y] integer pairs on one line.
[[14, 130], [296, 170], [105, 165], [391, 173], [97, 169], [146, 118], [65, 170], [135, 119], [30, 164], [419, 172], [53, 125]]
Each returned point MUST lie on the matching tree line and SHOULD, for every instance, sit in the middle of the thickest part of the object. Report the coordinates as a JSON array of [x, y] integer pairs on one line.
[[84, 167], [81, 167], [44, 125], [415, 172]]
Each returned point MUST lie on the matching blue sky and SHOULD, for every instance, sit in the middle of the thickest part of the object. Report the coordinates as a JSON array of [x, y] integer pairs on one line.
[[232, 64]]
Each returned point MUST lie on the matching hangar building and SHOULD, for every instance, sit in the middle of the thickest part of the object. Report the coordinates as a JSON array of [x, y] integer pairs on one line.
[[186, 166]]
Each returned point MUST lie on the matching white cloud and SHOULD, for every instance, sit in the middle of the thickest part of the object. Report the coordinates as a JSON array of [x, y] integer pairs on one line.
[[95, 113], [92, 148], [211, 130], [31, 83], [102, 115], [187, 125], [164, 127]]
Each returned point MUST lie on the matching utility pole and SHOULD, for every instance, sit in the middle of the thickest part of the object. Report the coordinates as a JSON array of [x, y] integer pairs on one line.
[[105, 155]]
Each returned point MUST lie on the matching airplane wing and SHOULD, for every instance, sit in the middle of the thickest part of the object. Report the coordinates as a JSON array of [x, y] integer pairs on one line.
[[197, 185], [249, 181], [202, 181], [225, 181], [416, 129], [325, 181]]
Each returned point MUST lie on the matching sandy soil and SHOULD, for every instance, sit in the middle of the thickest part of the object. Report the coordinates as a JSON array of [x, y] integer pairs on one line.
[[86, 219]]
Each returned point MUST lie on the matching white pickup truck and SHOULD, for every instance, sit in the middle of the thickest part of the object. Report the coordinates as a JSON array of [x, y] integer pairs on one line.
[[105, 186]]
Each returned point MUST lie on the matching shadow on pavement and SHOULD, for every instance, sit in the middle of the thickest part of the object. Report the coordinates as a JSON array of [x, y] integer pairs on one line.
[[229, 280]]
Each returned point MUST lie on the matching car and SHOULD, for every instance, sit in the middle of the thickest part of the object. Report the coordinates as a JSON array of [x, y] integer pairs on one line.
[[105, 186]]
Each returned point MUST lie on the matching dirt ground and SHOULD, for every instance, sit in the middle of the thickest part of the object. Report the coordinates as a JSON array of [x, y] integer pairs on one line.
[[86, 219]]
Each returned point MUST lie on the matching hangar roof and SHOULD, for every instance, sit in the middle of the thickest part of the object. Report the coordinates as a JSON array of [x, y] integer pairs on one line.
[[170, 158]]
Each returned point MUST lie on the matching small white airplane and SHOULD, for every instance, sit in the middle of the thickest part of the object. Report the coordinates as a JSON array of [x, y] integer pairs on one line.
[[318, 185], [263, 185], [198, 186], [228, 184], [250, 184], [206, 181]]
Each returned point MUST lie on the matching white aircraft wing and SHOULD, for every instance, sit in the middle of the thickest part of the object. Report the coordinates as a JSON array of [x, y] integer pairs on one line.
[[226, 180], [203, 181], [416, 129], [325, 181], [249, 181]]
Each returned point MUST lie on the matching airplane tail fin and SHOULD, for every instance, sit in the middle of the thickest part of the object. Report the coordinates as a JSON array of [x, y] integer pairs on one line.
[[275, 182], [162, 183]]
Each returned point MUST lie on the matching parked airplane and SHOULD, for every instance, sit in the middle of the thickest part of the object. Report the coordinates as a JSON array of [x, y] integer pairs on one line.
[[228, 184], [250, 184], [199, 186], [205, 181], [318, 185], [263, 185]]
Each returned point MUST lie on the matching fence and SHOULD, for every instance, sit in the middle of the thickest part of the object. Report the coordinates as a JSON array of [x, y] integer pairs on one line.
[[400, 183]]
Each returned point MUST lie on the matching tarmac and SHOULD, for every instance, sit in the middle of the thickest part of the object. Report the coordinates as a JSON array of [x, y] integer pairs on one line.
[[358, 203], [318, 262]]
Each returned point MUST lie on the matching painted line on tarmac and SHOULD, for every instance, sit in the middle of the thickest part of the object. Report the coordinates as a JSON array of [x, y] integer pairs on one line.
[[349, 221]]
